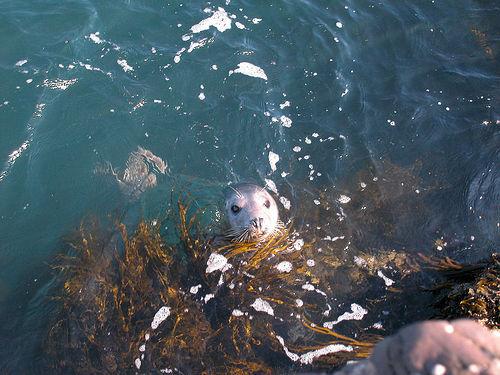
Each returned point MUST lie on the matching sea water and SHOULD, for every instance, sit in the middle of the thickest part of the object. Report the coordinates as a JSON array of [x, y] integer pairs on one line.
[[322, 101]]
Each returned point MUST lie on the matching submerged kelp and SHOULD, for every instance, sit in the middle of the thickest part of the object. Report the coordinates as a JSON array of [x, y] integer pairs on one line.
[[468, 290], [99, 324], [134, 303], [137, 304]]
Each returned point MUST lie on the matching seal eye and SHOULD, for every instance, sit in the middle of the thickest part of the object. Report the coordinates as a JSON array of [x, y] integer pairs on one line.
[[235, 208], [267, 204]]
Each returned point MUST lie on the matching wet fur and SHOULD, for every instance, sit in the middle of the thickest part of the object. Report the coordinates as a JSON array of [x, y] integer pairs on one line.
[[240, 228]]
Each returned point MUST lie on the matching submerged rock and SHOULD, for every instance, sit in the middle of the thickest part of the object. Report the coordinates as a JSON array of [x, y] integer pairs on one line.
[[460, 347], [139, 173]]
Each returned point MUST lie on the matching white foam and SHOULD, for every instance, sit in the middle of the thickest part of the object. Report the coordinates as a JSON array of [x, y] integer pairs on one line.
[[208, 297], [198, 44], [329, 238], [262, 306], [344, 199], [17, 152], [221, 280], [284, 266], [308, 357], [273, 159], [88, 67], [239, 25], [285, 104], [285, 202], [360, 261], [95, 38], [286, 121], [59, 84], [250, 70], [329, 308], [220, 20], [388, 282], [237, 312], [137, 363], [124, 64], [194, 289], [216, 262], [160, 316], [21, 62], [294, 357], [357, 314], [297, 245], [271, 185], [308, 286]]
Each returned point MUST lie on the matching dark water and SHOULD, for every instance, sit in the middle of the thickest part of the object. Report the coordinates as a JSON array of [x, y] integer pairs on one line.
[[395, 97]]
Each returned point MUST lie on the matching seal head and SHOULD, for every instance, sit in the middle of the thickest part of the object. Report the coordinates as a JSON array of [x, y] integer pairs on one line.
[[252, 213]]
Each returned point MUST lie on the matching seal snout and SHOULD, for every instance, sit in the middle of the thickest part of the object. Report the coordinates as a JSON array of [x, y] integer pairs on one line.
[[257, 224]]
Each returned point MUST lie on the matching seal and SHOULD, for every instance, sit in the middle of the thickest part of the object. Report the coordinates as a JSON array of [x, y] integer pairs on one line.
[[252, 213]]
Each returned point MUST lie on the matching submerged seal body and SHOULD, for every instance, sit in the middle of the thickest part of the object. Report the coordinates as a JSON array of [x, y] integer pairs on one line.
[[252, 213]]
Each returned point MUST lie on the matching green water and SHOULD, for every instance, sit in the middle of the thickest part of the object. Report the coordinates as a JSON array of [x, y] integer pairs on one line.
[[356, 92]]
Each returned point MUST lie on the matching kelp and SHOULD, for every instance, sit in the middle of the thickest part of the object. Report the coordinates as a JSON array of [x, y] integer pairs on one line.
[[114, 286], [102, 304], [467, 290]]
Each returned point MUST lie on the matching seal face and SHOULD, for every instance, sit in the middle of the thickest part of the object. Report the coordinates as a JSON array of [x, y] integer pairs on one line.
[[252, 213]]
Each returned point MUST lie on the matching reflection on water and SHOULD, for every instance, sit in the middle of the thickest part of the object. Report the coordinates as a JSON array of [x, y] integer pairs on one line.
[[375, 123]]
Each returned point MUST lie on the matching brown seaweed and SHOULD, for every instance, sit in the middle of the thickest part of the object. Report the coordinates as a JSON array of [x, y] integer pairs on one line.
[[468, 290], [111, 290]]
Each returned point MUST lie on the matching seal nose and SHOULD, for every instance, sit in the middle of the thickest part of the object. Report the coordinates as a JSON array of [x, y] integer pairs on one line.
[[257, 223]]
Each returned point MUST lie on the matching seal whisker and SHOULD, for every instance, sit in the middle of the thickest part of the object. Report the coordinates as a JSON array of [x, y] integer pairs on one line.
[[241, 236], [238, 193]]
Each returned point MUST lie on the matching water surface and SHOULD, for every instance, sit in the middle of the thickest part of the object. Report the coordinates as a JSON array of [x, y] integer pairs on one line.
[[395, 98]]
